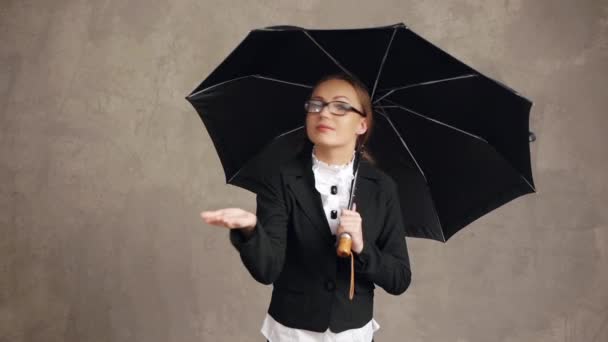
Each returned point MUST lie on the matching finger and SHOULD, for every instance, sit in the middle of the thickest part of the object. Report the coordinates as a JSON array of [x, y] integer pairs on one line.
[[351, 224], [217, 217], [350, 220], [350, 213], [229, 223], [344, 232], [350, 228], [347, 212], [216, 222], [205, 214], [233, 221], [347, 226], [211, 213], [214, 217]]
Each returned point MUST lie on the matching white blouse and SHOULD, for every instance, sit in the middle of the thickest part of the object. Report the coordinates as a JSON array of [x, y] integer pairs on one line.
[[326, 176]]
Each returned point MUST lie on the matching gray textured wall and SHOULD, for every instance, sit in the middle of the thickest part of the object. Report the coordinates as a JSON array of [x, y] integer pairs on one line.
[[104, 168]]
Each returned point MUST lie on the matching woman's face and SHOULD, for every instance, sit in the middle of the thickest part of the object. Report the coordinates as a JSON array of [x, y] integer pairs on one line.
[[342, 130]]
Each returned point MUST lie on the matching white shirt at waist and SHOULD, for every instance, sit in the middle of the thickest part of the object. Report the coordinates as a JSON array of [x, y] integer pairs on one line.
[[277, 332]]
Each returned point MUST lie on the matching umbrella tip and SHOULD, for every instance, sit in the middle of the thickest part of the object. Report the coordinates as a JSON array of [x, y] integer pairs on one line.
[[282, 27], [398, 25]]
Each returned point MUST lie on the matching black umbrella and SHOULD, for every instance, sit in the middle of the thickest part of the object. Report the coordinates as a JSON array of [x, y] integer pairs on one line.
[[455, 141]]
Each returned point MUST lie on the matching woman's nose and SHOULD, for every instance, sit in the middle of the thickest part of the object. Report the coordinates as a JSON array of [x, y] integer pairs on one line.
[[325, 112]]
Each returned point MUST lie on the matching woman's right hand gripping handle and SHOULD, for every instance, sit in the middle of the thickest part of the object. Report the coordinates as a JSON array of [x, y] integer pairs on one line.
[[231, 218]]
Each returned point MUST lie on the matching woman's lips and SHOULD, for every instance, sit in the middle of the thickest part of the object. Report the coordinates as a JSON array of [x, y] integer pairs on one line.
[[324, 128]]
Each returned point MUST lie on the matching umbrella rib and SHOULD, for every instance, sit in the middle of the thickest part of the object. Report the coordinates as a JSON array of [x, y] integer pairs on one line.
[[525, 180], [433, 120], [425, 83], [217, 85], [247, 76], [402, 141], [273, 139], [383, 113], [328, 54], [449, 126], [288, 132], [282, 81], [382, 63]]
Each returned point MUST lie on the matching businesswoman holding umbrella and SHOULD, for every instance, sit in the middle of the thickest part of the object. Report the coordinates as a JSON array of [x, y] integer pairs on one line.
[[295, 239]]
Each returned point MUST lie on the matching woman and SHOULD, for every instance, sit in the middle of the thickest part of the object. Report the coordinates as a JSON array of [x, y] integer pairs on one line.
[[291, 240]]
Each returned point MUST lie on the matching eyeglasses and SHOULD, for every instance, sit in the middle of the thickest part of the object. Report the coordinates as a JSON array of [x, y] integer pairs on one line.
[[338, 108]]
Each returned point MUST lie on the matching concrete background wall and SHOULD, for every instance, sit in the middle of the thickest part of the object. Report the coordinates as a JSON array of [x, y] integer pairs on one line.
[[104, 168]]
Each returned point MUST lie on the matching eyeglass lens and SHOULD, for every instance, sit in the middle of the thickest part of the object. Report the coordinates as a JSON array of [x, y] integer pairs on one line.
[[337, 108]]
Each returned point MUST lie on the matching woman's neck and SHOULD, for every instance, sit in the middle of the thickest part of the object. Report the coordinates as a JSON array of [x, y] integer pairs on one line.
[[334, 155]]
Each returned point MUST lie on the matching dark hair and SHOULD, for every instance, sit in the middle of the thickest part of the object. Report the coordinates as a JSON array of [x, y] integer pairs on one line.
[[366, 103]]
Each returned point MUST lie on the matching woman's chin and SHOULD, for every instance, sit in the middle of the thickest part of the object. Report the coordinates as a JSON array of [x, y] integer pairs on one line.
[[325, 144], [321, 141]]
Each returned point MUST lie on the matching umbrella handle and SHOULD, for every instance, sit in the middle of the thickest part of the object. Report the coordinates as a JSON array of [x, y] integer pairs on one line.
[[345, 241], [344, 245]]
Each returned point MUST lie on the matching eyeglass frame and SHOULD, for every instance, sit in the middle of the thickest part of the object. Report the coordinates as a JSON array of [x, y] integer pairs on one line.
[[324, 104]]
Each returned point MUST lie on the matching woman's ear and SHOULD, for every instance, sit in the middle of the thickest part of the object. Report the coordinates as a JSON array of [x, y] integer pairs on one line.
[[362, 127]]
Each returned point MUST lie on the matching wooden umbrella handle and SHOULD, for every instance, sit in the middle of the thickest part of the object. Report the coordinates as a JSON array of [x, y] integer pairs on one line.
[[344, 251], [344, 245]]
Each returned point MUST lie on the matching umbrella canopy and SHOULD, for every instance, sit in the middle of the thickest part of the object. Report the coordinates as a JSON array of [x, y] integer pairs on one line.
[[455, 141]]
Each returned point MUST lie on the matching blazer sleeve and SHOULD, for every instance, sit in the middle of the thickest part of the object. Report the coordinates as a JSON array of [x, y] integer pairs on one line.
[[386, 262], [263, 253]]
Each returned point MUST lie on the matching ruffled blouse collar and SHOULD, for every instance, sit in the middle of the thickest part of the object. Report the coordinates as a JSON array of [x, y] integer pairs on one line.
[[327, 175], [332, 168]]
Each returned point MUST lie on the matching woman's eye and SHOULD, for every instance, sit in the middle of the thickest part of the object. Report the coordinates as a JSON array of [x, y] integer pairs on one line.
[[315, 105], [342, 106]]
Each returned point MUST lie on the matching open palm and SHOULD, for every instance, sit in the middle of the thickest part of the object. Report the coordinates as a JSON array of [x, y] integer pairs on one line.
[[230, 218]]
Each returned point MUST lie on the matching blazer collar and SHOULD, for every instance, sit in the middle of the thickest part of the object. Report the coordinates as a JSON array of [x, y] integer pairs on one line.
[[300, 178]]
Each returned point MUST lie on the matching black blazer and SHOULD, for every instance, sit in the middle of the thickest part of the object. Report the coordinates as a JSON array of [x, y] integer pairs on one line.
[[292, 248]]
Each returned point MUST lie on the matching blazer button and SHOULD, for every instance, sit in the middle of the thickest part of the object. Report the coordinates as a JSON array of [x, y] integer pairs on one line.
[[330, 285]]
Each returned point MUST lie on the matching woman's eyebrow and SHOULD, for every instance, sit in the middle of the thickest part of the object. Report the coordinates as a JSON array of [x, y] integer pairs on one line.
[[335, 97]]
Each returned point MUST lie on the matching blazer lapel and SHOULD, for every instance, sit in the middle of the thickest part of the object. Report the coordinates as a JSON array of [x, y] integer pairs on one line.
[[302, 182]]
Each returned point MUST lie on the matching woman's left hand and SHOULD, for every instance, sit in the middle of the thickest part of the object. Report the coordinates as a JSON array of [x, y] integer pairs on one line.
[[350, 222]]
